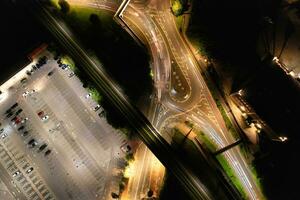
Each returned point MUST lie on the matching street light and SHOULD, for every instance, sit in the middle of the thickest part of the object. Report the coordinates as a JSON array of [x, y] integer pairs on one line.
[[240, 92], [275, 59], [242, 108], [292, 73], [283, 138]]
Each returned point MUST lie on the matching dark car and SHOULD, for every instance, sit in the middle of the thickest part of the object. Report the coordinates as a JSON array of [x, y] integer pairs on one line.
[[23, 80], [19, 111], [42, 147], [64, 66], [31, 141], [47, 152], [8, 111], [9, 115], [14, 106], [25, 133], [50, 73], [13, 119], [28, 73], [21, 128]]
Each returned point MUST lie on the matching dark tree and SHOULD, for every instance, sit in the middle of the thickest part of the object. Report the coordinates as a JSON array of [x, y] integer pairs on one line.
[[150, 193], [94, 19], [64, 6], [114, 195]]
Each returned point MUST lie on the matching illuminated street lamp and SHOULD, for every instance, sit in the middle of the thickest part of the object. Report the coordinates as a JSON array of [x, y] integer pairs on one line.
[[240, 92], [292, 73], [242, 108], [258, 126], [283, 138], [275, 59]]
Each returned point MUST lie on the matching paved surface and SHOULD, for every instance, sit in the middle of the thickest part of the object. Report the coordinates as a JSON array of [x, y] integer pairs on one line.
[[84, 148]]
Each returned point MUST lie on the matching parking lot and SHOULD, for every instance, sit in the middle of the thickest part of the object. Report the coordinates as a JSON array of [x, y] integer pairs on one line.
[[53, 144]]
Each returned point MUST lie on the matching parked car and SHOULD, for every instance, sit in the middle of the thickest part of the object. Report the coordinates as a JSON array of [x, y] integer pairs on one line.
[[24, 120], [8, 111], [29, 170], [21, 128], [25, 93], [14, 106], [88, 95], [47, 152], [65, 67], [71, 74], [17, 121], [42, 147], [25, 133], [97, 107], [1, 130], [4, 136], [19, 111], [28, 72], [9, 115], [16, 173], [45, 118], [23, 80], [31, 141], [50, 73], [14, 118], [41, 114]]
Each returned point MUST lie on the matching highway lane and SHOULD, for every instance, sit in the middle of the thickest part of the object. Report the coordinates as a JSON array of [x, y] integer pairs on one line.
[[147, 132]]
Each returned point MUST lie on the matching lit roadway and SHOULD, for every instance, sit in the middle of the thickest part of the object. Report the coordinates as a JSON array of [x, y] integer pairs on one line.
[[147, 132], [156, 27]]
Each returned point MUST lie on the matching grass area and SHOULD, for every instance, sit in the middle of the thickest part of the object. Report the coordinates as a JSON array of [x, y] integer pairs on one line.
[[207, 141], [67, 60], [225, 165], [221, 159], [179, 21], [82, 15], [215, 95], [55, 3], [177, 7], [95, 94]]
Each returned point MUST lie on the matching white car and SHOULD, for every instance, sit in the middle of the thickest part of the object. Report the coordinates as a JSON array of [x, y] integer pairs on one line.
[[4, 136], [25, 93], [16, 174], [29, 170], [24, 120], [71, 74], [88, 95], [45, 118], [97, 107]]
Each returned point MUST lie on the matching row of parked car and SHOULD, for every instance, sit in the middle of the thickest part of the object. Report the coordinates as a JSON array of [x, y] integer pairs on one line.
[[64, 66], [40, 63], [20, 123]]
